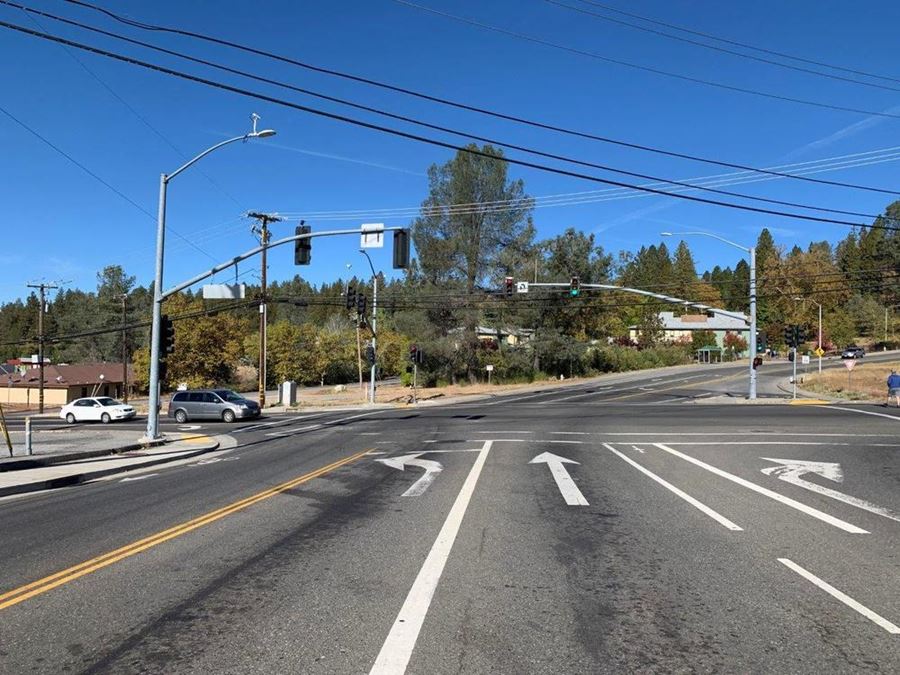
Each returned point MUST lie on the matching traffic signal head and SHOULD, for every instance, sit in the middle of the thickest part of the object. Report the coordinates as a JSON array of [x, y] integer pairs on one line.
[[574, 286], [789, 336], [370, 354], [360, 304], [508, 286], [350, 299], [799, 335], [302, 247], [166, 337], [401, 249], [413, 353]]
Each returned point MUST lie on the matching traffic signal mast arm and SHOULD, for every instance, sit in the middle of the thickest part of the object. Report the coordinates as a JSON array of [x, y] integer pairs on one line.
[[252, 252], [650, 294]]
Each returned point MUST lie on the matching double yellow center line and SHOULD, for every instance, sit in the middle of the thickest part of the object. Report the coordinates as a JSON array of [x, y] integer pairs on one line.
[[40, 586]]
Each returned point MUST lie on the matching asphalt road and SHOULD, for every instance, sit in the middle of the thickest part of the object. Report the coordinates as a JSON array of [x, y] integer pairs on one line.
[[683, 536]]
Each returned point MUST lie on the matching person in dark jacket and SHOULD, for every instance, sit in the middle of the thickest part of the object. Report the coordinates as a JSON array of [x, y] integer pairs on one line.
[[893, 385]]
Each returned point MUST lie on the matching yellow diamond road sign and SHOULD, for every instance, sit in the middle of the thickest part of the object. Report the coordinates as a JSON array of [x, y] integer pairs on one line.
[[819, 351]]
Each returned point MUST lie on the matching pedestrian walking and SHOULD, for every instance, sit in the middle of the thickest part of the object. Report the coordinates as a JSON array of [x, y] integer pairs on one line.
[[893, 385]]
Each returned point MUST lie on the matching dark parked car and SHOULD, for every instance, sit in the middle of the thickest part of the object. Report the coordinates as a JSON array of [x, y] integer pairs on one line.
[[853, 352], [217, 404]]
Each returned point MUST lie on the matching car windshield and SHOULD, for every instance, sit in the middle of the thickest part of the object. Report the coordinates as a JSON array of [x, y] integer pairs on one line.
[[230, 396], [106, 401]]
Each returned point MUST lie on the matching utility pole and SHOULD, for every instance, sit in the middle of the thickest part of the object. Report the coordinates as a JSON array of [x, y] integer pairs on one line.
[[262, 229], [43, 289]]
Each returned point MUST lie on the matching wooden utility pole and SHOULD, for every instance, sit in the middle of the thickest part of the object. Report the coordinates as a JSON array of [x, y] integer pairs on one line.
[[43, 289], [262, 229]]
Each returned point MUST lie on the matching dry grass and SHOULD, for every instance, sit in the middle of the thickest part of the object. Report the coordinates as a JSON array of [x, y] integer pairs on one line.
[[867, 381]]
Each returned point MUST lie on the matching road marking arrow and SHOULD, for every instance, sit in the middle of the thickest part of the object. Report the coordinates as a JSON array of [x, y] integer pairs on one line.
[[432, 469], [792, 471], [564, 482]]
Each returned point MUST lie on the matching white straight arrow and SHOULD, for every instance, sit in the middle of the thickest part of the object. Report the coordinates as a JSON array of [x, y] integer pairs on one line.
[[564, 482], [792, 471], [431, 467]]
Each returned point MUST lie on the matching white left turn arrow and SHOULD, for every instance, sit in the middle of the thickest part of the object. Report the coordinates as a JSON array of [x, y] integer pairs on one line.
[[564, 482], [792, 471], [431, 467]]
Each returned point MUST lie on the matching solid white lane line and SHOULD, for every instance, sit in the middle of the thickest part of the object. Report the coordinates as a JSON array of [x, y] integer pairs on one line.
[[843, 597], [896, 418], [718, 517], [291, 432], [830, 445], [787, 501], [398, 647], [134, 478]]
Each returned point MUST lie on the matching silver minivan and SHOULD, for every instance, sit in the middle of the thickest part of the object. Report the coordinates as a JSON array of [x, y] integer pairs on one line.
[[214, 404]]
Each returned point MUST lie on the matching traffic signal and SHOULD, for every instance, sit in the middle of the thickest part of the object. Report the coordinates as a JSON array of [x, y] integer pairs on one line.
[[414, 353], [401, 249], [574, 286], [789, 336], [302, 247], [360, 304], [508, 286], [166, 337], [350, 299], [370, 354], [799, 335]]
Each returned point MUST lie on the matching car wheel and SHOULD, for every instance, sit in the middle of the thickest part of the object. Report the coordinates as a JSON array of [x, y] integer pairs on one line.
[[105, 418], [70, 418], [181, 416], [228, 416]]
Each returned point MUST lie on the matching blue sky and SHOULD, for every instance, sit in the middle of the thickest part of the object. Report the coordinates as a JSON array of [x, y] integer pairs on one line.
[[63, 225]]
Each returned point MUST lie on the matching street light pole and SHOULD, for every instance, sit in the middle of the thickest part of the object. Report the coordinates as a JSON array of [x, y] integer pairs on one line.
[[156, 320], [751, 394], [374, 324]]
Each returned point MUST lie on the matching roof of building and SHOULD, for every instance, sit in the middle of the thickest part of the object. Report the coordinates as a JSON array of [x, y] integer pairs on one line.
[[701, 322], [64, 376]]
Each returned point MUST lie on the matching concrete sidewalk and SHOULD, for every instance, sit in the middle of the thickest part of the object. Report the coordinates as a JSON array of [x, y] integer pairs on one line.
[[65, 470]]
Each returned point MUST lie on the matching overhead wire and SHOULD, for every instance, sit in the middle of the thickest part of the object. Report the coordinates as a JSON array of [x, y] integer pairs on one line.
[[434, 127], [448, 102], [635, 66], [422, 139], [724, 50]]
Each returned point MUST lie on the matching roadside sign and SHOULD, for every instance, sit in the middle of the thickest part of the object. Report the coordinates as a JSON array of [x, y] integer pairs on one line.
[[804, 359], [521, 287], [489, 367], [819, 352], [849, 363], [224, 291], [372, 235]]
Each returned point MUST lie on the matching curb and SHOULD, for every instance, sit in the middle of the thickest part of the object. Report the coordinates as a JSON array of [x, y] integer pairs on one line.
[[49, 460], [78, 478]]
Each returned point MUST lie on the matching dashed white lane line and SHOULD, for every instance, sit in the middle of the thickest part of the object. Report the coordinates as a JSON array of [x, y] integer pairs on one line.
[[715, 515], [843, 597], [787, 501], [398, 647]]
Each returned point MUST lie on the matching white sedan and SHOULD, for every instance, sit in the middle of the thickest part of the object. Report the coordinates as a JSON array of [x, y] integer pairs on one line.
[[96, 409]]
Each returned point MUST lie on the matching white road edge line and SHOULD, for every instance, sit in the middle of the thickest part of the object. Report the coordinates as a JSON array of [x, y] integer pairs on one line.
[[787, 501], [400, 642], [718, 517], [896, 418], [843, 597]]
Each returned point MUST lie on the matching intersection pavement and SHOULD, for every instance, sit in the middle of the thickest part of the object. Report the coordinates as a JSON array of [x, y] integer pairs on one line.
[[595, 528]]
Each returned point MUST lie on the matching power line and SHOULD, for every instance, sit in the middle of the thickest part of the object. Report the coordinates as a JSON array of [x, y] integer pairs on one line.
[[456, 104], [649, 69], [93, 175], [724, 50], [423, 139], [739, 44], [464, 134]]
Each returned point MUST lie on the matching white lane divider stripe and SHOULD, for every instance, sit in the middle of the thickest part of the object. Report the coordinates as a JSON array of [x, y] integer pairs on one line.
[[398, 647], [787, 501], [843, 597], [896, 418], [715, 515]]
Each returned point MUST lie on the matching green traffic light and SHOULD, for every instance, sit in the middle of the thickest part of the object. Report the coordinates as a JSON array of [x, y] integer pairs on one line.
[[574, 292]]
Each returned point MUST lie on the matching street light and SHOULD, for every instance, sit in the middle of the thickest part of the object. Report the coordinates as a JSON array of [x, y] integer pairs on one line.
[[751, 251], [374, 311], [819, 345], [153, 412]]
